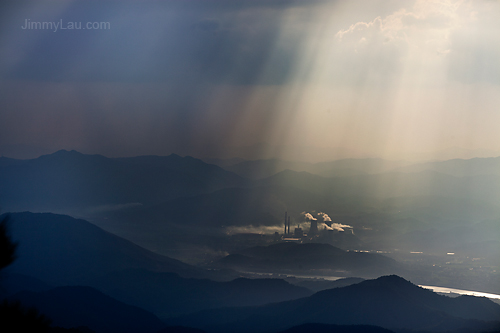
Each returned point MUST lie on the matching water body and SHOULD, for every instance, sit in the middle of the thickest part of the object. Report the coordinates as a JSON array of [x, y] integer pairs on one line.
[[442, 290], [446, 290], [284, 275]]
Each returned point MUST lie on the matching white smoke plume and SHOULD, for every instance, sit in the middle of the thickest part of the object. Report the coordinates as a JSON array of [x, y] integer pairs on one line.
[[325, 216], [336, 226], [309, 217], [250, 229]]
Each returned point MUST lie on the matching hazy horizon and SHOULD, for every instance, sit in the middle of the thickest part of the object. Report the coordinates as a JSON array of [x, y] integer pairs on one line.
[[308, 154]]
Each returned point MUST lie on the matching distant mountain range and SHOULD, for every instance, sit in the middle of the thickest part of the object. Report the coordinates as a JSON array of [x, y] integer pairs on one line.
[[169, 203], [394, 184], [459, 167], [389, 302], [70, 180], [259, 169], [186, 208]]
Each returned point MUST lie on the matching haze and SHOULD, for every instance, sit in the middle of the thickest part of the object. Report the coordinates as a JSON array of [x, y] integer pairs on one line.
[[298, 80], [250, 166]]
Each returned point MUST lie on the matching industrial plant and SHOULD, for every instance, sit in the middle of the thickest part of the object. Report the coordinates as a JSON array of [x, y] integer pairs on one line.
[[321, 229]]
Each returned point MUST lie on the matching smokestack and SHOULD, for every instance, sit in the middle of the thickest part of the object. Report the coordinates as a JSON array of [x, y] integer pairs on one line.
[[285, 222], [288, 224]]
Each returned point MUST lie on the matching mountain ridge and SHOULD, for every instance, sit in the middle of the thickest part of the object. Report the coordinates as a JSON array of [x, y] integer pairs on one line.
[[60, 249], [69, 179], [389, 302]]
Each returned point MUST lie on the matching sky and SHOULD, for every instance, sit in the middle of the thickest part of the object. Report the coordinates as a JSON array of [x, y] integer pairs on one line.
[[300, 80]]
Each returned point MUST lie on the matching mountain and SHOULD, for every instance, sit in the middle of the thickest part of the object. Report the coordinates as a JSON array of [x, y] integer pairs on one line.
[[394, 184], [180, 329], [450, 153], [323, 284], [168, 294], [70, 180], [293, 257], [458, 167], [381, 208], [389, 302], [59, 249], [12, 283], [66, 251], [352, 167], [223, 162], [185, 227], [458, 239], [76, 306], [259, 169], [324, 328]]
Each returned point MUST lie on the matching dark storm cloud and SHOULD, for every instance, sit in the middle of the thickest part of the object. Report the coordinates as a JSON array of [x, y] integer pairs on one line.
[[174, 41], [68, 88]]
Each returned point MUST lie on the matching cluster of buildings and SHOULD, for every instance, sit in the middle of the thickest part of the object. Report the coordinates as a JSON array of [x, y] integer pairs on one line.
[[298, 233]]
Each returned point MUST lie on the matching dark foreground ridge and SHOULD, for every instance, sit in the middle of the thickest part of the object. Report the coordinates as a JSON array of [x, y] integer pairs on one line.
[[325, 328], [84, 306], [389, 302], [60, 250]]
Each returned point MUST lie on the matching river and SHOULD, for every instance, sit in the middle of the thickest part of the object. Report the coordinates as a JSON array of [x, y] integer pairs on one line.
[[446, 290]]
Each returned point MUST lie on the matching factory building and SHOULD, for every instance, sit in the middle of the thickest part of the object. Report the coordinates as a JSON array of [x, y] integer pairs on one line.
[[313, 230]]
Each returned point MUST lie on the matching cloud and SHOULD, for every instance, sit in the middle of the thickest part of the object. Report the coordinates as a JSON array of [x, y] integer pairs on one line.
[[410, 41], [411, 25], [173, 41]]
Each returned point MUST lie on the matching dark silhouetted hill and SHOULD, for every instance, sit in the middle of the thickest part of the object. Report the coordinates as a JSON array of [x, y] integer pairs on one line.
[[71, 180], [389, 302], [223, 162], [180, 329], [16, 317], [477, 239], [63, 250], [167, 294], [59, 249], [11, 283], [309, 256], [324, 328], [234, 206], [322, 284], [69, 307]]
